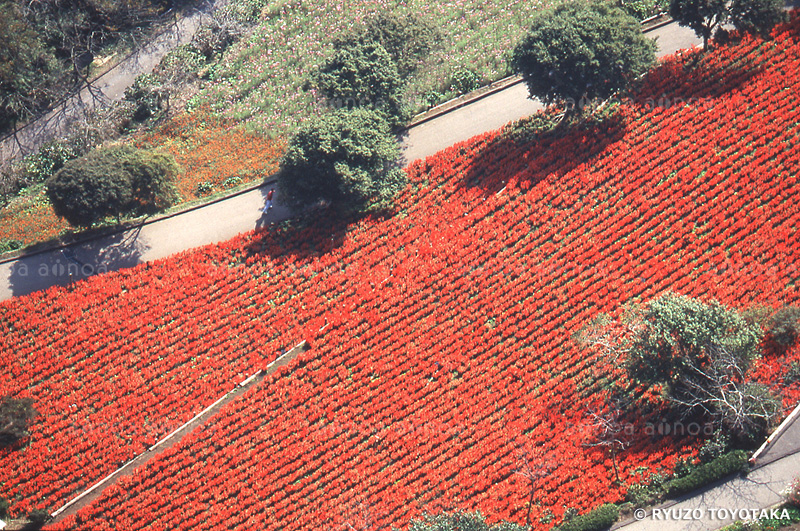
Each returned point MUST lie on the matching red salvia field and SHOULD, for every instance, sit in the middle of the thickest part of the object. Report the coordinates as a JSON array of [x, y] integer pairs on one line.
[[442, 372]]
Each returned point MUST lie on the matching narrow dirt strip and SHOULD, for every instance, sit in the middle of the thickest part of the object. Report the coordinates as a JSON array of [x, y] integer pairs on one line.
[[128, 469]]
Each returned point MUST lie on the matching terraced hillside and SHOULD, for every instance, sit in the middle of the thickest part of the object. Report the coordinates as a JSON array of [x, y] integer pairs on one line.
[[442, 372]]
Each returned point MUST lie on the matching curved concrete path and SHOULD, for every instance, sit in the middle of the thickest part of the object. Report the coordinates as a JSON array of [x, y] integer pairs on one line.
[[737, 498], [222, 220]]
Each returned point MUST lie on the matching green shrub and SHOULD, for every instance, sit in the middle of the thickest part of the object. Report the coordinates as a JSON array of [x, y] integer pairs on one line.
[[151, 176], [459, 521], [718, 445], [205, 188], [232, 181], [112, 182], [148, 96], [50, 158], [363, 74], [432, 98], [6, 246], [464, 81], [683, 467], [642, 495], [601, 518], [348, 158], [642, 9], [792, 374], [708, 473], [784, 326], [406, 37]]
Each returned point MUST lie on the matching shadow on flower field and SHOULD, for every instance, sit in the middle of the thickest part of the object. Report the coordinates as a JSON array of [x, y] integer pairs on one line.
[[539, 153]]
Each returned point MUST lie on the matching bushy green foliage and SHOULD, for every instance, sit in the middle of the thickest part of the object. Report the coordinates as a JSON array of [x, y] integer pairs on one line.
[[578, 51], [784, 326], [406, 37], [148, 96], [464, 81], [50, 158], [761, 409], [642, 9], [682, 333], [708, 473], [111, 182], [348, 158], [460, 521], [151, 178], [703, 17], [601, 518], [718, 445], [699, 353], [768, 524], [642, 495], [16, 414], [89, 189], [362, 74], [7, 245]]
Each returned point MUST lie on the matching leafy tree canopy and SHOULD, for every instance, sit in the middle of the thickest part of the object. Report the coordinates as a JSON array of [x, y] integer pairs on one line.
[[704, 16], [348, 158], [575, 51], [362, 74], [407, 37], [699, 354], [681, 333], [111, 182]]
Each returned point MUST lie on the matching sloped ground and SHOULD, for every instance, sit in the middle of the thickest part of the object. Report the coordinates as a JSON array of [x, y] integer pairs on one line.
[[442, 361]]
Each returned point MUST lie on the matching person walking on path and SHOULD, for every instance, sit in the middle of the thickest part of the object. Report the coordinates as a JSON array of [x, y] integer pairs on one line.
[[268, 206]]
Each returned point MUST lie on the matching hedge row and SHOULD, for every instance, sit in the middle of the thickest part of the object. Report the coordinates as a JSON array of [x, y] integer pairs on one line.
[[708, 473], [601, 518]]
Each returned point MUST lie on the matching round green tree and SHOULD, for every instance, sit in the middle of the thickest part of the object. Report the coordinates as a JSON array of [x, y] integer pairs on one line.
[[111, 182], [347, 158], [580, 52], [363, 74]]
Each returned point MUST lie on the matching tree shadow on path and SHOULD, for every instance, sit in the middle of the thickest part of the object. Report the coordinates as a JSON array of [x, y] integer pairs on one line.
[[61, 267]]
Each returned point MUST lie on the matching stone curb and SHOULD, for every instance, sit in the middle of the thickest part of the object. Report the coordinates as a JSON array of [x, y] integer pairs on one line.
[[87, 236]]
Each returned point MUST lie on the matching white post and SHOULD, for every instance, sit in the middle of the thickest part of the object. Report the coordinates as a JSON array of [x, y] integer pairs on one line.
[[788, 420]]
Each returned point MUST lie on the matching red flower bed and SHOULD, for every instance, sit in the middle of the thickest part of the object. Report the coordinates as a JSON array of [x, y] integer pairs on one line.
[[442, 361]]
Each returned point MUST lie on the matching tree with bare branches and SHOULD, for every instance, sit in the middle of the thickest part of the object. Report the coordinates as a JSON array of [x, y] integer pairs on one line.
[[698, 354], [533, 465], [609, 431]]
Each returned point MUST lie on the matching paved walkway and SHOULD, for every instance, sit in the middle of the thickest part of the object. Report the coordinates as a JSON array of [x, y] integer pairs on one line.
[[738, 498], [222, 220], [106, 88]]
